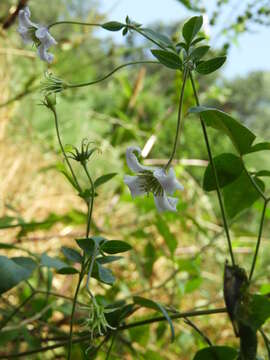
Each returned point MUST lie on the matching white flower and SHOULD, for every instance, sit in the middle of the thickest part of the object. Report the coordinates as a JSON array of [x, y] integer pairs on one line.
[[152, 180], [37, 34]]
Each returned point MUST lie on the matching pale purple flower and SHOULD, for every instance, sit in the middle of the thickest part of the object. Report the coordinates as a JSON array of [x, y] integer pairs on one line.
[[37, 34], [152, 180]]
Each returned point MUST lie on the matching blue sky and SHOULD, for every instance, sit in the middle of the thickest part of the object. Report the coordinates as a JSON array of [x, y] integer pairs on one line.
[[251, 53]]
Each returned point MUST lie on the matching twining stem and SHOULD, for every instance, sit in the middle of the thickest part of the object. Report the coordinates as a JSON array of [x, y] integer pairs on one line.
[[72, 23], [62, 148], [223, 214], [69, 86], [179, 117], [258, 240], [120, 328]]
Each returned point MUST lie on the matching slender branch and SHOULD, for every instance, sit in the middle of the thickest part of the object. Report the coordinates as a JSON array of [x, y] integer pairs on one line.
[[173, 317], [69, 86], [16, 310], [258, 240], [195, 327], [179, 117], [223, 214], [120, 328]]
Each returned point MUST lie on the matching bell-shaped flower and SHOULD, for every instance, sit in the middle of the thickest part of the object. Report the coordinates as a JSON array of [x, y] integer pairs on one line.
[[37, 34], [152, 180]]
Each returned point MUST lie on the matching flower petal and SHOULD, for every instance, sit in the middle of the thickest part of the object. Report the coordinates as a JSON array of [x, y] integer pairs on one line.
[[24, 18], [25, 34], [165, 203], [132, 161], [45, 37], [134, 184], [44, 55], [168, 181]]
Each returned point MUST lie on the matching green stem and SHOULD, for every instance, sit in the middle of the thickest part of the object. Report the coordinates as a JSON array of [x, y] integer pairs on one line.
[[179, 117], [70, 86], [111, 346], [258, 240], [255, 185], [121, 328], [90, 208], [131, 27], [84, 265], [223, 214], [146, 37], [62, 148], [73, 312], [72, 23]]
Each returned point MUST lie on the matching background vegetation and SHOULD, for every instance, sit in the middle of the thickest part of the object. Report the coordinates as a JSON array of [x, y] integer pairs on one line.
[[177, 259]]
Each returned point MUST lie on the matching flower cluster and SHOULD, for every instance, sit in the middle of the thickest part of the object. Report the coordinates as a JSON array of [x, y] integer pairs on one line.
[[153, 180], [36, 34], [52, 84], [83, 154]]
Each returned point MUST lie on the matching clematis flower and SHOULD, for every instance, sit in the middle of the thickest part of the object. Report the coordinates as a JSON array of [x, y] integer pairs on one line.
[[152, 180], [37, 34]]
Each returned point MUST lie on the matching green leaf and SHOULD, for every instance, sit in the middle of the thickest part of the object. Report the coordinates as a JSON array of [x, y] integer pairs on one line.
[[105, 275], [115, 247], [5, 221], [263, 173], [103, 179], [165, 232], [150, 304], [240, 194], [260, 147], [228, 167], [52, 262], [216, 353], [12, 273], [196, 41], [209, 66], [61, 167], [241, 137], [108, 259], [72, 255], [258, 311], [161, 39], [27, 263], [168, 58], [199, 52], [113, 26], [191, 28], [67, 270]]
